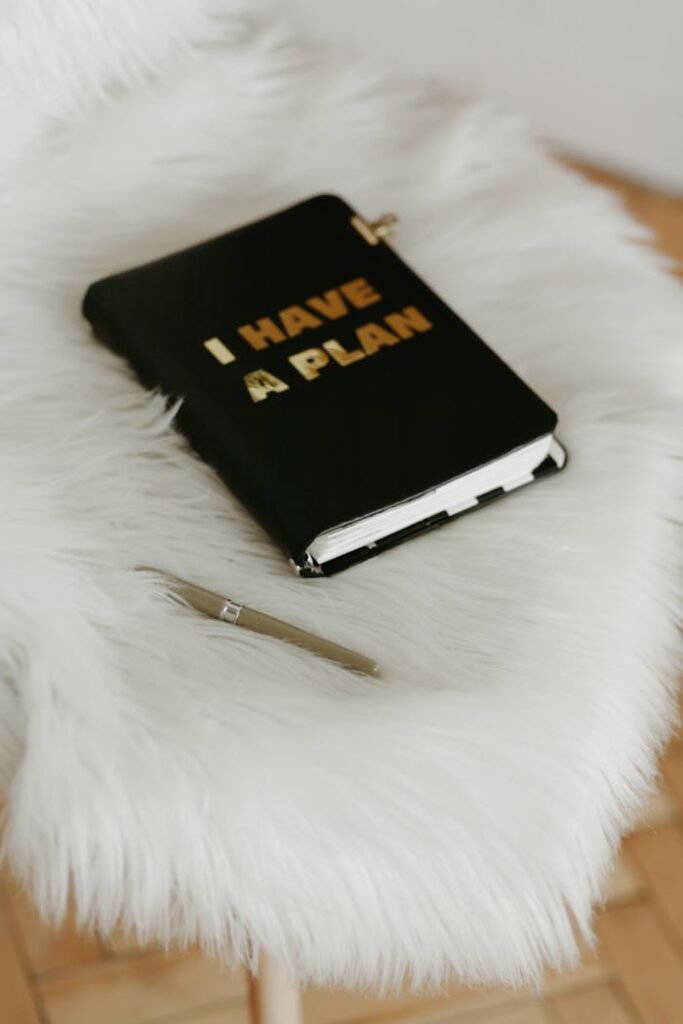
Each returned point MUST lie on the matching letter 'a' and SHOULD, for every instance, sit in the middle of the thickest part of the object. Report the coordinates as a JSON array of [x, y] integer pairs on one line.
[[261, 383]]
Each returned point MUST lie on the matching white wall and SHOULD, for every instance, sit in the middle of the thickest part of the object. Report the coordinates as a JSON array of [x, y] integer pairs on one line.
[[602, 78]]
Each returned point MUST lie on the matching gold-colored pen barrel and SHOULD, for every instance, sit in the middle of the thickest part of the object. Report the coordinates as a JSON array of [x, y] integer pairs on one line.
[[258, 622], [218, 607]]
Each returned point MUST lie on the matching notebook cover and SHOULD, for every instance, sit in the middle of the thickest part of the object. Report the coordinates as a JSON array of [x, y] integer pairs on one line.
[[310, 434]]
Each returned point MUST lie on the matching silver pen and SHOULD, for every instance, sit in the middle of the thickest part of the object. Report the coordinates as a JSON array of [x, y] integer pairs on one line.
[[226, 610]]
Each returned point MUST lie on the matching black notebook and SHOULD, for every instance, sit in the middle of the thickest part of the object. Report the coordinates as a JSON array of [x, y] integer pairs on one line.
[[346, 405]]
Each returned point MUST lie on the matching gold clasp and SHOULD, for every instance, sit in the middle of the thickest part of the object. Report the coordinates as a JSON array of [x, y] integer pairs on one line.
[[376, 230]]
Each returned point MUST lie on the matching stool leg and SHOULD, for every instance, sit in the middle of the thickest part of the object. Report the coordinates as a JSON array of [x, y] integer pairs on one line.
[[273, 998]]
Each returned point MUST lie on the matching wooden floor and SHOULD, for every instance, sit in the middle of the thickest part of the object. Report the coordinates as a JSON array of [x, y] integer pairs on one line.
[[636, 977]]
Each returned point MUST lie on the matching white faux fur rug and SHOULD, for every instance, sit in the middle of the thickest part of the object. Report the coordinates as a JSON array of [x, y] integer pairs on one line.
[[199, 783]]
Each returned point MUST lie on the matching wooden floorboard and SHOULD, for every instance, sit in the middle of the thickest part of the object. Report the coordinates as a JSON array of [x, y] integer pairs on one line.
[[19, 1001], [600, 1005], [647, 963]]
